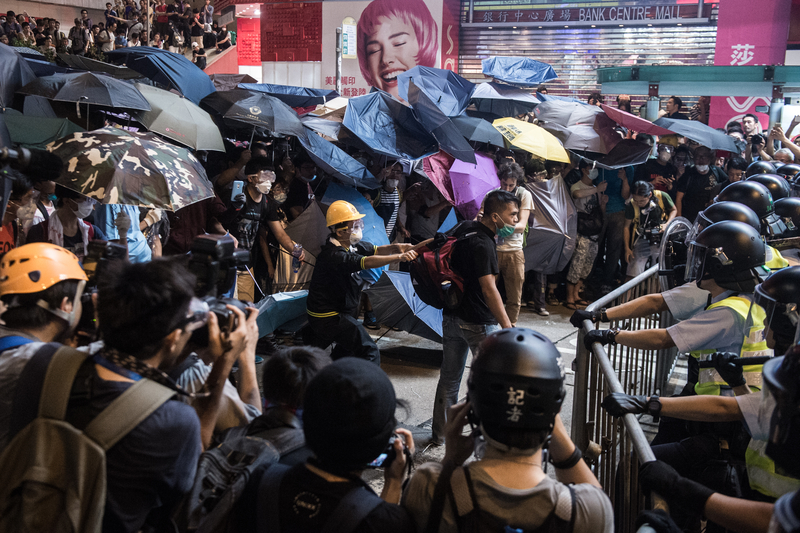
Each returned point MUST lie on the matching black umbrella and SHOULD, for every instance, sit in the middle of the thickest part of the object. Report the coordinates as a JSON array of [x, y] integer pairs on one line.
[[478, 130], [241, 109], [14, 73], [441, 127], [627, 152], [700, 133], [93, 65], [87, 88]]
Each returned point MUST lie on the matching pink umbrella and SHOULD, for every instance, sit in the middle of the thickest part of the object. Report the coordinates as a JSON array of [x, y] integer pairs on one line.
[[632, 122], [437, 168], [470, 184]]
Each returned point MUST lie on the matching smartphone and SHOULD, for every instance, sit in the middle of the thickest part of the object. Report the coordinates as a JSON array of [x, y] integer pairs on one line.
[[387, 455], [238, 186]]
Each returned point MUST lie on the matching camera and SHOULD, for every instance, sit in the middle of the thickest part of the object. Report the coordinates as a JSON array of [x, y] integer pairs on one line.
[[389, 454], [653, 235], [98, 255]]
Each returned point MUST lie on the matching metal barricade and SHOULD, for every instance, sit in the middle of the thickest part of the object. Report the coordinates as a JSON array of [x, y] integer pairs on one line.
[[620, 444]]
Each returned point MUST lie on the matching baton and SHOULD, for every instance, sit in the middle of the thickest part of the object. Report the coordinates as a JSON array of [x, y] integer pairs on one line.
[[742, 361]]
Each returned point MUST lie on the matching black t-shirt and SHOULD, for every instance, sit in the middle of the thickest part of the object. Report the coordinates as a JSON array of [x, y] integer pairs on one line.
[[472, 259], [699, 190], [333, 288], [306, 502], [652, 169], [297, 195], [248, 221]]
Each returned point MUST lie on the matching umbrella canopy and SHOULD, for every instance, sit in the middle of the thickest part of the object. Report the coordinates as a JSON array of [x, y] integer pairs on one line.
[[37, 132], [478, 130], [42, 67], [179, 119], [248, 109], [446, 89], [396, 304], [329, 129], [87, 88], [337, 163], [93, 65], [24, 51], [5, 137], [578, 126], [388, 127], [167, 68], [14, 73], [471, 183], [626, 152], [632, 122], [308, 229], [437, 168], [531, 138], [520, 71], [441, 127], [502, 100], [449, 223], [700, 133], [226, 82], [551, 239], [374, 229], [277, 309], [291, 95], [115, 166]]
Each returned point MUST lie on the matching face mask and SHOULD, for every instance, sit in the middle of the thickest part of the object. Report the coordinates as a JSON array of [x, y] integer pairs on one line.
[[264, 187], [664, 156], [593, 174], [506, 231], [84, 209], [355, 236], [52, 197], [702, 169], [392, 184], [280, 198]]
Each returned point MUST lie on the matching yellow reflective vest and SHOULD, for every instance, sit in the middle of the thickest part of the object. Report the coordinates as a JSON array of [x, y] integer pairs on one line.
[[761, 472], [775, 260]]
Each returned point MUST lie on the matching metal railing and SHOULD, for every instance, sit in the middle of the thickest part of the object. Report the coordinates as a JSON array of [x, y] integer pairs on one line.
[[619, 444]]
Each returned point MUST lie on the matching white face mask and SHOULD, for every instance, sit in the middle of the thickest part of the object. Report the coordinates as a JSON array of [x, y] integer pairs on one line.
[[84, 209], [280, 198], [664, 156], [264, 187], [392, 184], [702, 169], [355, 236], [593, 174]]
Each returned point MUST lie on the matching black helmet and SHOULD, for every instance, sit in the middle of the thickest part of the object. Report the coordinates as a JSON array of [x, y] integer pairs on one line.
[[777, 184], [790, 170], [758, 198], [727, 252], [759, 167], [721, 211], [516, 383], [789, 210], [795, 192], [779, 297], [782, 388]]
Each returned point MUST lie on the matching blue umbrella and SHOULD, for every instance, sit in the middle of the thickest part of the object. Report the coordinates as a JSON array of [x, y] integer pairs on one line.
[[502, 100], [449, 222], [42, 67], [448, 91], [441, 127], [291, 95], [279, 309], [335, 161], [167, 68], [374, 229], [396, 304], [520, 71], [328, 128], [388, 127]]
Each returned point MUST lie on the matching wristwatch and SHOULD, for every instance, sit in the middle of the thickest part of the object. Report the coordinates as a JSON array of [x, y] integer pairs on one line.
[[613, 332], [654, 407]]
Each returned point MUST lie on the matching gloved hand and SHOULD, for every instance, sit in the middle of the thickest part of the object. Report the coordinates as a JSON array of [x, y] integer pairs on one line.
[[122, 223], [238, 201], [724, 363], [659, 520], [618, 404], [153, 216], [580, 315], [689, 496], [603, 336]]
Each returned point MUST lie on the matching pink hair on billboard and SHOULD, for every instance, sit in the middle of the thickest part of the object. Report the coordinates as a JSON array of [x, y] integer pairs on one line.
[[412, 12]]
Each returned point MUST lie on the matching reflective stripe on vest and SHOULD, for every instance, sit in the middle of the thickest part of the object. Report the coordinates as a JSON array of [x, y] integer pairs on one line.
[[775, 260], [754, 345], [761, 472], [637, 214]]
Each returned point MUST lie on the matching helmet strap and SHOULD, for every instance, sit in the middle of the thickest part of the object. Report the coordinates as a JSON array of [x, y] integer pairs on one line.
[[70, 317]]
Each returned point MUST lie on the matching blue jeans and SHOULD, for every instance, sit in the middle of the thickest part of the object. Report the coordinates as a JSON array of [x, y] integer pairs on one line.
[[458, 338]]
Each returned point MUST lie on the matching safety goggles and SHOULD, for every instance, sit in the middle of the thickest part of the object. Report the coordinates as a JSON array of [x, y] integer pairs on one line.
[[358, 225], [263, 175]]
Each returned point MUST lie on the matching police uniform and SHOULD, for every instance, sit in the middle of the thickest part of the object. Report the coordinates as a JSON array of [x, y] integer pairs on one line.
[[686, 300]]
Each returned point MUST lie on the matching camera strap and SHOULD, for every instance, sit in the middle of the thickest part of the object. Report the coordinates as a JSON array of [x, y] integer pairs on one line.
[[135, 369]]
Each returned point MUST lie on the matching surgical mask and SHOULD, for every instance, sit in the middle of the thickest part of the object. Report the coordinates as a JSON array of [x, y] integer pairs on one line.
[[593, 174], [355, 236], [264, 187], [506, 231], [702, 169], [280, 198], [84, 209], [392, 184], [664, 156], [52, 197]]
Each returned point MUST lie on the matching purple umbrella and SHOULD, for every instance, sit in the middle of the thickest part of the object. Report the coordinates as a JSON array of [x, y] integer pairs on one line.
[[471, 183]]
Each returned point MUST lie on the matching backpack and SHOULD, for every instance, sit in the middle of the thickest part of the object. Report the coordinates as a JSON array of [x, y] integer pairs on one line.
[[54, 474], [433, 277]]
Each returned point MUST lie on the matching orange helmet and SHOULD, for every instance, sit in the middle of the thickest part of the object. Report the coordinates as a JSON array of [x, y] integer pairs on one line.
[[341, 211], [37, 266]]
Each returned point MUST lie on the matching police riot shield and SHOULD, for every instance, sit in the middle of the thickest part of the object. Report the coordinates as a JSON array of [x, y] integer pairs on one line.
[[672, 259]]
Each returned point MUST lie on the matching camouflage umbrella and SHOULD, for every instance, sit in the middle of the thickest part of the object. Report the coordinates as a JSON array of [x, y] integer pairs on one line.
[[115, 166]]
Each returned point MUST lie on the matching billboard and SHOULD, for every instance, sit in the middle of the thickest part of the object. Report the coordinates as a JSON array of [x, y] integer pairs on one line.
[[391, 37]]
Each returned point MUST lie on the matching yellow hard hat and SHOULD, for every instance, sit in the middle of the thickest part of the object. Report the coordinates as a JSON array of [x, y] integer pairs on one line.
[[37, 266], [671, 140], [341, 211]]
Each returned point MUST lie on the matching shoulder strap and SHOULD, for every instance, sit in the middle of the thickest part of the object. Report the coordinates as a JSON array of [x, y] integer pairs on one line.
[[58, 382], [13, 341], [127, 412], [351, 511], [43, 210], [439, 495], [268, 492]]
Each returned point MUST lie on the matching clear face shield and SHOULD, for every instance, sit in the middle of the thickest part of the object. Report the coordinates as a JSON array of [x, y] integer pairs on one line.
[[696, 257], [700, 223], [779, 405], [781, 319]]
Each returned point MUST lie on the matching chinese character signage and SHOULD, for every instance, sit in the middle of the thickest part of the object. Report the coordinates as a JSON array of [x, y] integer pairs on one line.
[[492, 14], [349, 38]]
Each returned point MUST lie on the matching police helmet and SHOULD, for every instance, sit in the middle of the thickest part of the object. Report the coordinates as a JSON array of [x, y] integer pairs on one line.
[[795, 185], [727, 252], [782, 390], [779, 297], [758, 198], [789, 210], [777, 184], [789, 170], [721, 211], [516, 384], [759, 167]]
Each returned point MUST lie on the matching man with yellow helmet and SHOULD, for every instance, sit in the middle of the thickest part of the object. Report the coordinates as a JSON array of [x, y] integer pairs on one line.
[[334, 294]]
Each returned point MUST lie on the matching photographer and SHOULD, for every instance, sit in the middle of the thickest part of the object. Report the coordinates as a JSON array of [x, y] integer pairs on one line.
[[20, 210], [198, 56], [646, 216]]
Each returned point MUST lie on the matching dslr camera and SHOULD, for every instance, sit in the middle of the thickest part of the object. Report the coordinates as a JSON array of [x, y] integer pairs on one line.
[[98, 255]]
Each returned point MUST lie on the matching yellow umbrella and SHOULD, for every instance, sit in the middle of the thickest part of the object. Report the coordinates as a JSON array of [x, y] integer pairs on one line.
[[531, 138]]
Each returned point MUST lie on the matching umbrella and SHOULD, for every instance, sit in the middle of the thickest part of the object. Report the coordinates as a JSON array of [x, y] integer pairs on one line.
[[36, 106], [520, 71], [502, 100], [291, 95], [178, 118], [167, 68], [277, 309], [374, 229], [14, 73], [328, 128], [308, 229], [449, 222], [471, 183], [700, 133], [388, 127], [26, 52], [441, 127], [551, 239], [115, 166], [335, 161], [87, 88], [5, 137], [627, 152], [332, 110], [437, 168], [531, 138], [37, 132], [93, 65], [226, 82], [446, 89], [395, 303], [42, 67], [478, 130], [578, 126], [632, 122], [248, 109]]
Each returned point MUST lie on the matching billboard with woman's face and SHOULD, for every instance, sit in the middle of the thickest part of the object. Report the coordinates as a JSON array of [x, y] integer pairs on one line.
[[392, 36]]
